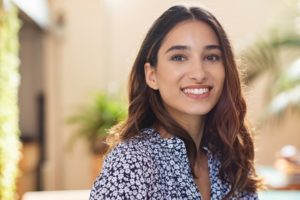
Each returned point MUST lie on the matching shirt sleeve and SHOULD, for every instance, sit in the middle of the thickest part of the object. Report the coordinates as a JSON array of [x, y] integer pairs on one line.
[[126, 174]]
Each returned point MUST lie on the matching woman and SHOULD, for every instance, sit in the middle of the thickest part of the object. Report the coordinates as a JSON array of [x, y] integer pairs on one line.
[[185, 136]]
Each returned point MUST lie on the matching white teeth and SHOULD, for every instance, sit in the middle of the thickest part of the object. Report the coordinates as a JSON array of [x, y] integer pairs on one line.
[[195, 90]]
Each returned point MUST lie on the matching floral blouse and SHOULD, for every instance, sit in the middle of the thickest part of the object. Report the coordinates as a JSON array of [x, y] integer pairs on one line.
[[151, 167]]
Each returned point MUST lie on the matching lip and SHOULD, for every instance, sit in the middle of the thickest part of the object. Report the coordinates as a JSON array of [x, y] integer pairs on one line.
[[197, 96]]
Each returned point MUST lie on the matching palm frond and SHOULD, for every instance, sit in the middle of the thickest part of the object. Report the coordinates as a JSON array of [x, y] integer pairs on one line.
[[264, 54], [284, 82], [284, 100]]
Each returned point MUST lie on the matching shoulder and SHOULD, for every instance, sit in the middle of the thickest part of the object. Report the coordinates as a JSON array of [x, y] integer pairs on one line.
[[135, 150], [131, 155], [126, 171], [137, 146]]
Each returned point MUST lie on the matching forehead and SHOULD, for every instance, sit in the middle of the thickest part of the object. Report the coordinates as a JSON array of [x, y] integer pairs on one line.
[[195, 34]]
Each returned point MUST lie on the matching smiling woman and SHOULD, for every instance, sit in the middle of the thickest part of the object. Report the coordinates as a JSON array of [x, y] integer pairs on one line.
[[189, 73], [185, 136]]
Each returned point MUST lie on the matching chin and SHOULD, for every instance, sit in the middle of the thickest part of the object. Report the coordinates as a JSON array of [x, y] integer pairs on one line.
[[198, 113]]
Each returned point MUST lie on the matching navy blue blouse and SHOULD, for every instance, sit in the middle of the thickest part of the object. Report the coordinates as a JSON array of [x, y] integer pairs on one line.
[[151, 167]]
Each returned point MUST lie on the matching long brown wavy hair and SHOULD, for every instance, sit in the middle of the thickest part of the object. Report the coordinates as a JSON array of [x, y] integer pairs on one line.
[[225, 132]]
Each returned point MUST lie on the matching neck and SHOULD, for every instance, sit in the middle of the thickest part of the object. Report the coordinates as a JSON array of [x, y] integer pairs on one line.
[[195, 129], [194, 126]]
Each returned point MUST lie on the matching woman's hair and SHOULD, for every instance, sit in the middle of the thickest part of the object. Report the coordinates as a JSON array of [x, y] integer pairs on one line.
[[225, 132]]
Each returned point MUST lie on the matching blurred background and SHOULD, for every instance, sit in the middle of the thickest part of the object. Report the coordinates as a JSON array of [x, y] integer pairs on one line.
[[71, 60]]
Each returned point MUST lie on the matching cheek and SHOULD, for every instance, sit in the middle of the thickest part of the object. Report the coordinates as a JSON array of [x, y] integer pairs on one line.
[[169, 75], [219, 75], [221, 82], [222, 78]]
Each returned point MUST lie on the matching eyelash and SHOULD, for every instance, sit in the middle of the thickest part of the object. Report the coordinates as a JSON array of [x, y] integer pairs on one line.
[[178, 58], [210, 58]]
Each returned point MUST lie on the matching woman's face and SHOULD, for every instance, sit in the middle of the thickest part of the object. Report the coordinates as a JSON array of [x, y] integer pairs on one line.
[[190, 73]]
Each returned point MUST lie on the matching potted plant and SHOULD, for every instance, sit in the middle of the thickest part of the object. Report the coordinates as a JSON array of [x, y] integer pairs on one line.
[[94, 120]]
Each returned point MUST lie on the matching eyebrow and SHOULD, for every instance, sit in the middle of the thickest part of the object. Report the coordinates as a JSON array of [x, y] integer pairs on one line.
[[184, 47], [212, 46], [178, 47]]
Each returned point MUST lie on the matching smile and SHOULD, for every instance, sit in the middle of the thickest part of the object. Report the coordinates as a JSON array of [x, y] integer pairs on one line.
[[196, 90]]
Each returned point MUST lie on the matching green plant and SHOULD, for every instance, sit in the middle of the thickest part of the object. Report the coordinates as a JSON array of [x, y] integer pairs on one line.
[[96, 118], [9, 82], [264, 55]]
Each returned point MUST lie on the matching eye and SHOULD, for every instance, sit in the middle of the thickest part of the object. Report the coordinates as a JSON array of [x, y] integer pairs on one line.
[[213, 57], [178, 58]]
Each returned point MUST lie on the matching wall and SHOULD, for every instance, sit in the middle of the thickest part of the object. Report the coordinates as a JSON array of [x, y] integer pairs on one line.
[[31, 70], [92, 46]]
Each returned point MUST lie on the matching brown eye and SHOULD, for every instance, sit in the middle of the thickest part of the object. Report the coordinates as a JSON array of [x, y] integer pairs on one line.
[[178, 58], [213, 58]]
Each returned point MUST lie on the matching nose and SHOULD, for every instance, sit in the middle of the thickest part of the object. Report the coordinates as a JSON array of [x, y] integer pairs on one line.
[[197, 71]]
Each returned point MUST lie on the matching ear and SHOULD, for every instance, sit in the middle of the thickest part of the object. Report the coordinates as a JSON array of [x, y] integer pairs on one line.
[[150, 76]]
